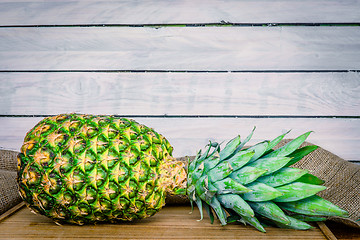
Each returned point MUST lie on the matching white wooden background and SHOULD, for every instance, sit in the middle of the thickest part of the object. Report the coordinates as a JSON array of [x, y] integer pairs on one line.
[[193, 70]]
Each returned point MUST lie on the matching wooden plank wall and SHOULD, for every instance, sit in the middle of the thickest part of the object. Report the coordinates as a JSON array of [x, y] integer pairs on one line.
[[193, 70]]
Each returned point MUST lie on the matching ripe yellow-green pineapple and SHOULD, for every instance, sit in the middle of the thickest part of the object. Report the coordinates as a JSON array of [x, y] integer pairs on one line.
[[86, 169]]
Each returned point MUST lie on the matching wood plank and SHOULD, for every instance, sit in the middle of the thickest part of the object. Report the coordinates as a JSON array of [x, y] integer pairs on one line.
[[189, 48], [11, 211], [172, 222], [327, 232], [188, 135], [296, 94], [35, 12]]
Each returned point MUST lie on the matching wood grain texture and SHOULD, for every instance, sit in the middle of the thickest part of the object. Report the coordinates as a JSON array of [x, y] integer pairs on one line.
[[179, 48], [188, 135], [36, 12], [11, 211], [172, 222], [252, 94]]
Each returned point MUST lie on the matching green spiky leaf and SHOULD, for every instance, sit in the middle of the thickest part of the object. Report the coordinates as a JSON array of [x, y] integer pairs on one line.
[[314, 206], [270, 210], [296, 191], [294, 224], [270, 164], [311, 179], [230, 147], [260, 192], [298, 154], [283, 176], [247, 174], [228, 185], [290, 147], [235, 183]]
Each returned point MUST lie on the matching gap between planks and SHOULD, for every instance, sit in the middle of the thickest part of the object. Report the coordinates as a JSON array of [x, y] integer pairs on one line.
[[218, 24]]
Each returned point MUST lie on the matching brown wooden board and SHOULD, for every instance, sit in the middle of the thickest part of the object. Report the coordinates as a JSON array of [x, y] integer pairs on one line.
[[172, 222]]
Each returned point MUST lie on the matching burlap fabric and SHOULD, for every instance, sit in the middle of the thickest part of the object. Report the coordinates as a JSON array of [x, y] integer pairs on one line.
[[341, 178], [9, 195]]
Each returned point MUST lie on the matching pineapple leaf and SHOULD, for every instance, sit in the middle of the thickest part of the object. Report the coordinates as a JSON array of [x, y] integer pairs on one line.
[[230, 148], [211, 162], [216, 147], [275, 142], [197, 173], [283, 176], [233, 217], [247, 139], [236, 203], [296, 191], [240, 159], [260, 192], [259, 149], [298, 154], [255, 223], [192, 164], [309, 178], [221, 171], [216, 206], [229, 185], [202, 189], [314, 206], [247, 174], [209, 212], [307, 218], [200, 206], [270, 164], [294, 224], [270, 210], [289, 147]]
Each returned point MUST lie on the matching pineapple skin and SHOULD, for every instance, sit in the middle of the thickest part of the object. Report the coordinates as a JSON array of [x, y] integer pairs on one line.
[[85, 169]]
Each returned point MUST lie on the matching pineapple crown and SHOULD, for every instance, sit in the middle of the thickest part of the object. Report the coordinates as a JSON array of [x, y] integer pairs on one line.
[[256, 183]]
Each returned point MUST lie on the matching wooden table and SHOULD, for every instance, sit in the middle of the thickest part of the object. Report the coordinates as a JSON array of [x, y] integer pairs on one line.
[[172, 222]]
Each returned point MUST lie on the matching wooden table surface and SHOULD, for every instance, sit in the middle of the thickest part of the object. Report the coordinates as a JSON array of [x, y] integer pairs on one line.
[[172, 222]]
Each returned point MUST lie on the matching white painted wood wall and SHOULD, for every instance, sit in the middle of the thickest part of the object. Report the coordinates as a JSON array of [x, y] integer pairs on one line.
[[193, 70]]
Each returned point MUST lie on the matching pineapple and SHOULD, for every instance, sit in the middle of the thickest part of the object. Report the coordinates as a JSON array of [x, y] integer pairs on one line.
[[85, 169]]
